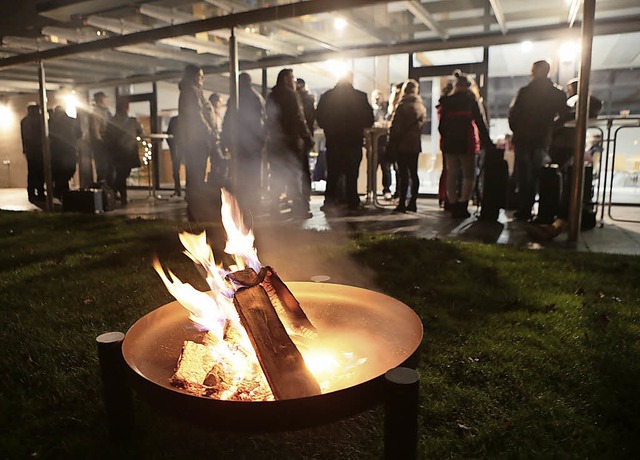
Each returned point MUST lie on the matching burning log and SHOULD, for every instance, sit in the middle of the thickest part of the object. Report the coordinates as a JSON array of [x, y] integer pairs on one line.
[[279, 295], [280, 360]]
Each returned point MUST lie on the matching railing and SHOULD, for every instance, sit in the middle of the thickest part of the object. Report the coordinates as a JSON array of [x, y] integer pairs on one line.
[[372, 136], [606, 175]]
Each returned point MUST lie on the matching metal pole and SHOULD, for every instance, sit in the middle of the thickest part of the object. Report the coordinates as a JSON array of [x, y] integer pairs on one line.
[[117, 395], [233, 105], [402, 402], [46, 151], [582, 116], [155, 143]]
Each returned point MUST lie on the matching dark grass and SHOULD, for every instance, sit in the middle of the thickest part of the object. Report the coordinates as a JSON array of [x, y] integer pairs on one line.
[[527, 354]]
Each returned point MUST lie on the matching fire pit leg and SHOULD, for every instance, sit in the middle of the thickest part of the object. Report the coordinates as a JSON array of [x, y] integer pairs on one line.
[[402, 389], [118, 400]]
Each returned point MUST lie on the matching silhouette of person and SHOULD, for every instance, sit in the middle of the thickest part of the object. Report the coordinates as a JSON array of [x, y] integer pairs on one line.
[[343, 113], [64, 133], [404, 138], [197, 136], [31, 132], [176, 155], [243, 134], [532, 114], [121, 139], [97, 127], [287, 143]]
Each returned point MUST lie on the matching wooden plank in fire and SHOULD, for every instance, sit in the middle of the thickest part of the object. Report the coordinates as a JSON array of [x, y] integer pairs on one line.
[[279, 294], [280, 360]]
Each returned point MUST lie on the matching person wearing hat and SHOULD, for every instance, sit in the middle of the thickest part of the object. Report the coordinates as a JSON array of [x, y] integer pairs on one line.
[[463, 131], [97, 128]]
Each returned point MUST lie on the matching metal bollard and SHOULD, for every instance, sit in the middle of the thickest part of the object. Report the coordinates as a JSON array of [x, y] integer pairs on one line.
[[402, 391]]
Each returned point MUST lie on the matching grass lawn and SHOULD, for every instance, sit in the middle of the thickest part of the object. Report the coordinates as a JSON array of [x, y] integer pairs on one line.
[[526, 354]]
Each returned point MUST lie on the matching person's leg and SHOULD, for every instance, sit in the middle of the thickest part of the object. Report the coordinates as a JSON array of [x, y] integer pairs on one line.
[[412, 164], [526, 184], [333, 174], [385, 167], [352, 169], [305, 179], [175, 171], [403, 181], [467, 162], [453, 170]]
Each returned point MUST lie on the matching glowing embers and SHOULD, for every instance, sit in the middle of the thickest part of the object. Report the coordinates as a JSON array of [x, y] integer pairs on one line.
[[256, 341]]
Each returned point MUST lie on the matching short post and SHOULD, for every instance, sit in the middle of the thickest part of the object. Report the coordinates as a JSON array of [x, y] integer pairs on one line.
[[402, 390], [118, 400]]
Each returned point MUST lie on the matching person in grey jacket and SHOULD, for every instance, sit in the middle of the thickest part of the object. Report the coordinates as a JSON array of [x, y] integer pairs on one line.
[[404, 143]]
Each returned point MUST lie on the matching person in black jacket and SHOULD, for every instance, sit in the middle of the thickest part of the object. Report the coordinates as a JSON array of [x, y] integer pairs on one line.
[[343, 113], [287, 143], [243, 134], [404, 143], [64, 133], [31, 132], [534, 111], [463, 130]]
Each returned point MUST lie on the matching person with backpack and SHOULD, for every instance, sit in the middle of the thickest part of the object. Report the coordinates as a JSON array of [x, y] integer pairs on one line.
[[463, 131]]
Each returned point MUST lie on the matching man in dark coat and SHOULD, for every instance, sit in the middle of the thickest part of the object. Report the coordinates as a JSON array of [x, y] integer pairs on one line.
[[532, 115], [64, 133], [243, 133], [287, 143], [343, 113], [31, 131]]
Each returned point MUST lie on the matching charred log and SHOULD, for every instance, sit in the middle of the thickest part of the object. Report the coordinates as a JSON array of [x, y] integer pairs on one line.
[[280, 360]]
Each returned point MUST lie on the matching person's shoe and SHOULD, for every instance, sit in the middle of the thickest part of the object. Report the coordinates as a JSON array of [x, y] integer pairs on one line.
[[459, 210], [412, 206], [388, 196], [400, 209], [542, 232]]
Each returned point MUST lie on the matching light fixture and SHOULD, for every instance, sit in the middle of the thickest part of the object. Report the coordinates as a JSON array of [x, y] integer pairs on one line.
[[6, 116], [526, 46], [340, 24], [569, 51], [338, 68]]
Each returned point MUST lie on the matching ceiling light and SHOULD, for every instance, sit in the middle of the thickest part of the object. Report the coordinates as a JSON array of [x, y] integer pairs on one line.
[[340, 24], [526, 46], [569, 51]]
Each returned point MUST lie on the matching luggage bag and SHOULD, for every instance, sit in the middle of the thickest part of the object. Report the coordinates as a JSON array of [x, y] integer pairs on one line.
[[495, 183]]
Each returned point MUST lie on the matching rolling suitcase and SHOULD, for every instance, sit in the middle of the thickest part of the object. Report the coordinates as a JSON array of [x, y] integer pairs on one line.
[[495, 183], [549, 194]]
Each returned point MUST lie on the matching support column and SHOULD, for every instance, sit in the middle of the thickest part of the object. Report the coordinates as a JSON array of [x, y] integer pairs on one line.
[[118, 400], [155, 143], [582, 117], [46, 150], [233, 103], [402, 404]]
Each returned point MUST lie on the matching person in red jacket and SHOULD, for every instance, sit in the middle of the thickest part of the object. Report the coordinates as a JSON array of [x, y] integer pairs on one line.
[[463, 131]]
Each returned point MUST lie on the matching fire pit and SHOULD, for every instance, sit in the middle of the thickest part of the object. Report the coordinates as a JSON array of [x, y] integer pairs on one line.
[[377, 327]]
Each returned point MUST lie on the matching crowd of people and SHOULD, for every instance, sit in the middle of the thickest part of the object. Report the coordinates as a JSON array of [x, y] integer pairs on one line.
[[112, 141], [260, 148]]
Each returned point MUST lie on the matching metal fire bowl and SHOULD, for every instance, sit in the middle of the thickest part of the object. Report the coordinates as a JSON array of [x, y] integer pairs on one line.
[[372, 325]]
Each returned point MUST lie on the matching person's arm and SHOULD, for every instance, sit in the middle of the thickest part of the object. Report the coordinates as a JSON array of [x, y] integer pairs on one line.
[[515, 112], [485, 139]]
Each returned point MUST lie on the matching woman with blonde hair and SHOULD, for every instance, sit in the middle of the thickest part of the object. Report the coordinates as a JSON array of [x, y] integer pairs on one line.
[[463, 130], [404, 143]]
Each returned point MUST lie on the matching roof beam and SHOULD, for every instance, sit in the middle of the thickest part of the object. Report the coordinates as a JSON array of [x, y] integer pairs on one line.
[[272, 13], [420, 12], [499, 14], [174, 16]]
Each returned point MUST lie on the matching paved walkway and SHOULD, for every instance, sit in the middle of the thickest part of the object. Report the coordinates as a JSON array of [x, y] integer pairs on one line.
[[617, 234]]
